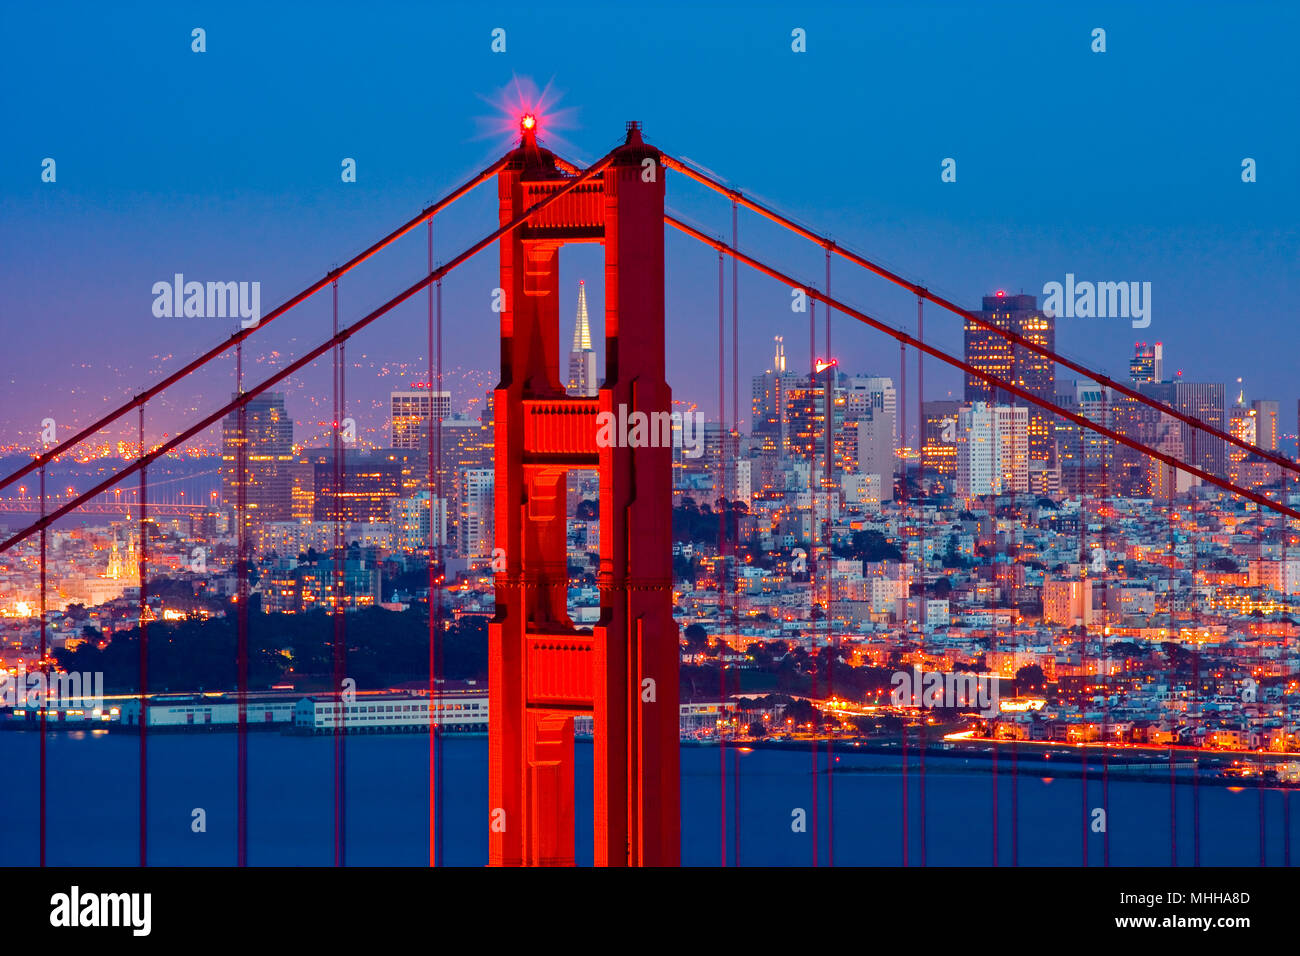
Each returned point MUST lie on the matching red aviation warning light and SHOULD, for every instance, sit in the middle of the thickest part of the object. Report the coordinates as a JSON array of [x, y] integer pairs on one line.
[[528, 123], [822, 365]]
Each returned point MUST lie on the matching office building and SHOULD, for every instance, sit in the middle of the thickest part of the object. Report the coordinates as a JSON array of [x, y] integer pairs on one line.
[[410, 412], [477, 507], [939, 438], [1203, 401], [266, 439], [1266, 413], [990, 352], [992, 449], [768, 402], [1148, 363], [582, 357]]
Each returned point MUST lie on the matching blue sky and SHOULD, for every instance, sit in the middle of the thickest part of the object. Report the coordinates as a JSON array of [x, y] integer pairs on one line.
[[224, 165]]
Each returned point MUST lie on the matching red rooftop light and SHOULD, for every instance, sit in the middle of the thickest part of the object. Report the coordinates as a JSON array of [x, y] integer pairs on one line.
[[528, 122]]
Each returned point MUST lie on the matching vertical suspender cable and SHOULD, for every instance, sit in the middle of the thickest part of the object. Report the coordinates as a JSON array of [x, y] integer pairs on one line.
[[337, 643], [720, 567], [734, 578], [831, 643], [434, 434], [143, 554], [45, 706], [241, 611]]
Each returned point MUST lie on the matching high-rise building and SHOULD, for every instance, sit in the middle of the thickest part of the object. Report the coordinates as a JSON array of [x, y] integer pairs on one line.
[[410, 414], [267, 442], [467, 444], [1163, 481], [1202, 401], [1013, 424], [865, 394], [803, 411], [477, 490], [1148, 363], [989, 352], [368, 486], [412, 517], [721, 452], [992, 449], [739, 486], [979, 451], [1266, 413], [1093, 464], [939, 438], [877, 447], [1242, 425], [582, 358], [1124, 470], [769, 399], [1255, 425]]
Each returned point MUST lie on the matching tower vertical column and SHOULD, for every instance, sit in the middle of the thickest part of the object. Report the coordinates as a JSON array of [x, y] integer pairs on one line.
[[636, 706], [531, 775]]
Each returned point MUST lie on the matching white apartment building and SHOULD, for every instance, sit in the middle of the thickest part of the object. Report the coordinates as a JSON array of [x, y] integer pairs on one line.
[[992, 449]]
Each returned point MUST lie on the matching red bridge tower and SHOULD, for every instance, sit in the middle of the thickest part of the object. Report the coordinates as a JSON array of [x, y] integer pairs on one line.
[[542, 671]]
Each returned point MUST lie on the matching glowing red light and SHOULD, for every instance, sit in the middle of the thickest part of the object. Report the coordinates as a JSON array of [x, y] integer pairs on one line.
[[528, 122], [1001, 293]]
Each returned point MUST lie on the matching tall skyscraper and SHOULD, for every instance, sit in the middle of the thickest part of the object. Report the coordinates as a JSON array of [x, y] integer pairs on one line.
[[991, 353], [411, 519], [992, 449], [582, 359], [1266, 413], [1243, 424], [410, 414], [1255, 424], [369, 484], [1013, 424], [769, 401], [1163, 482], [876, 447], [1147, 363], [267, 440], [477, 507], [1096, 460], [1204, 402], [804, 421], [979, 451], [865, 394], [939, 438]]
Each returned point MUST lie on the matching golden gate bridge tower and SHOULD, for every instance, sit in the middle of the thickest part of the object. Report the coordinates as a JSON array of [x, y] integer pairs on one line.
[[542, 671]]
